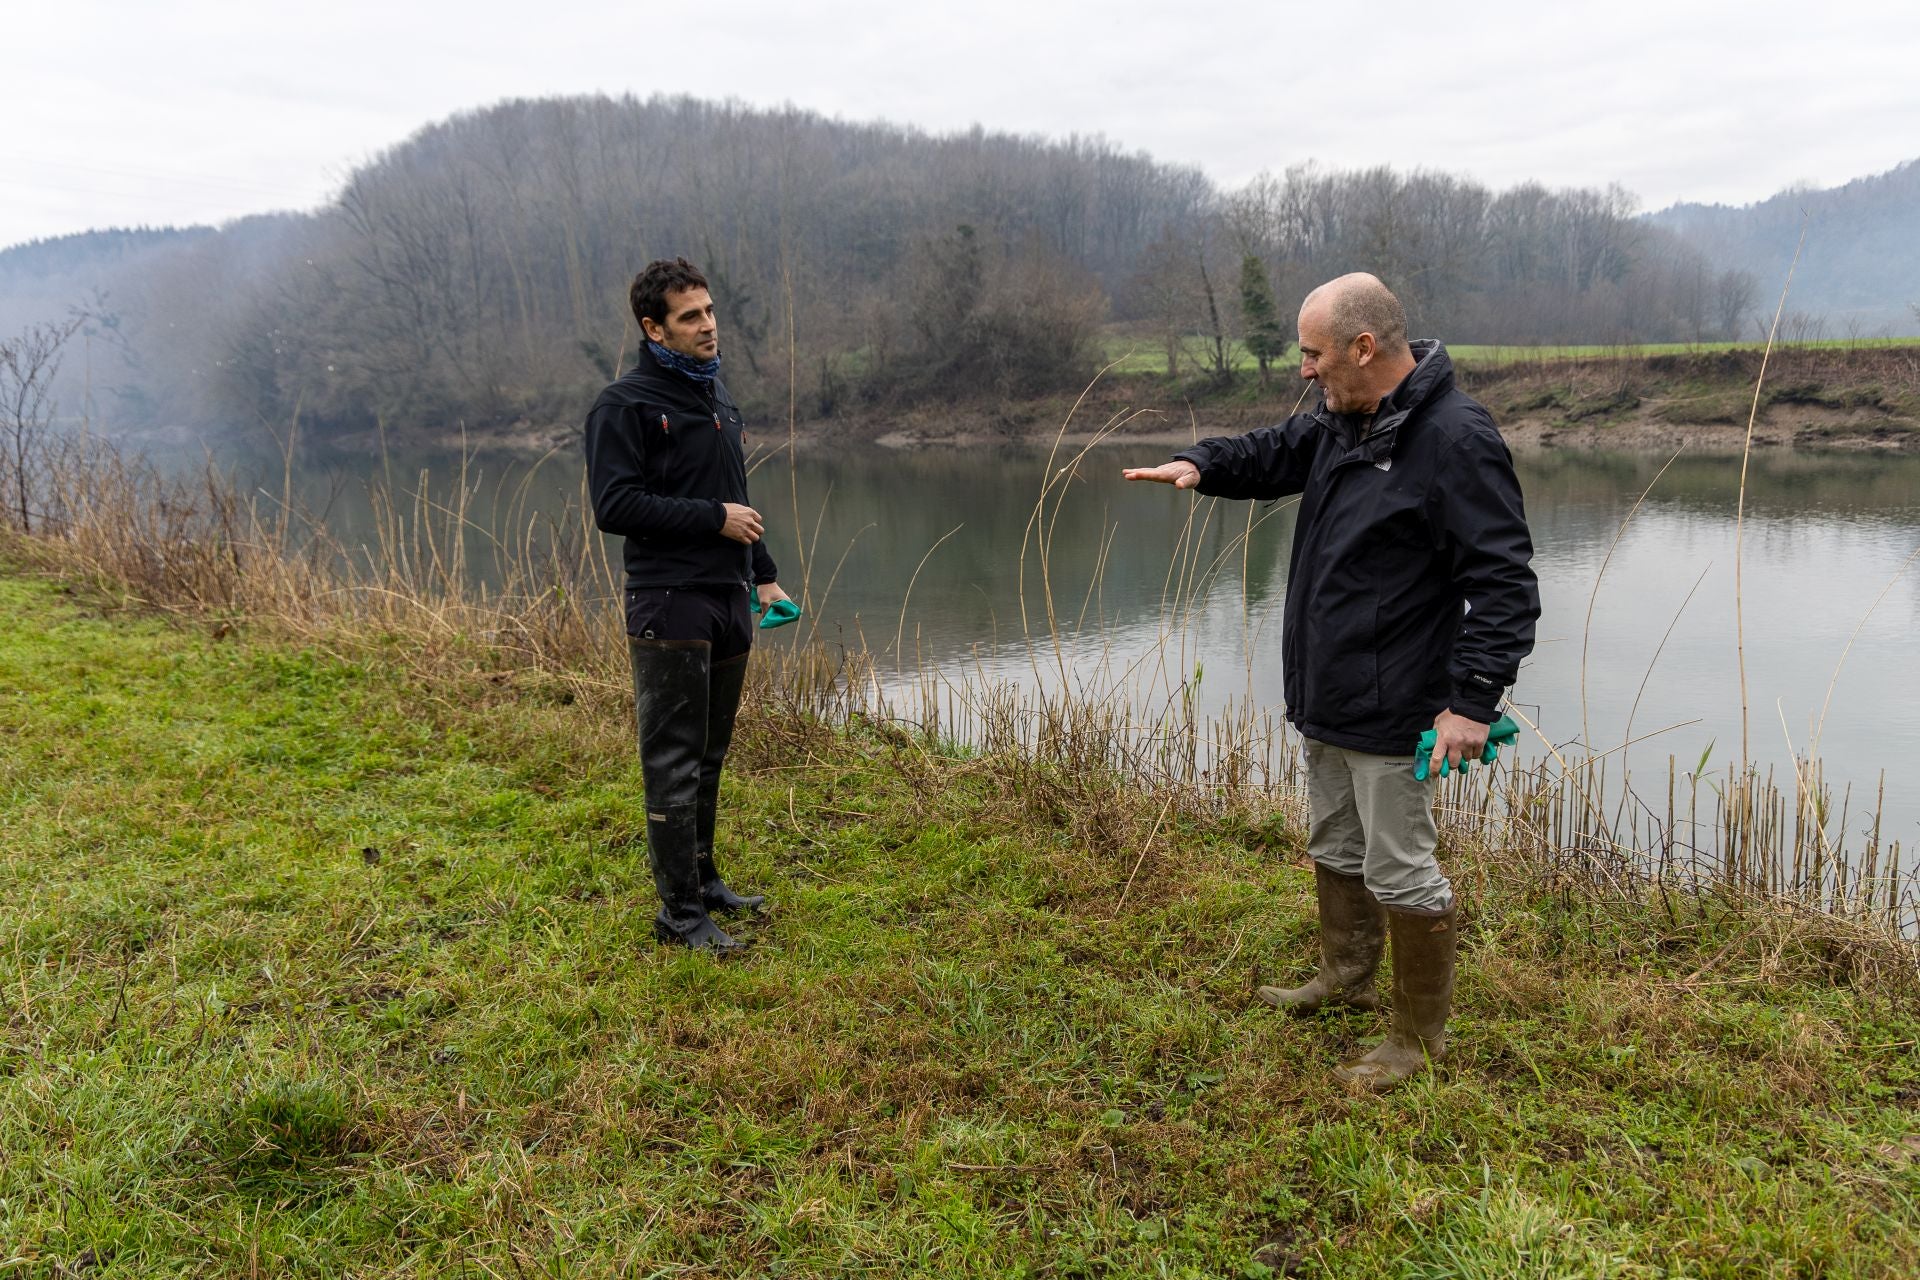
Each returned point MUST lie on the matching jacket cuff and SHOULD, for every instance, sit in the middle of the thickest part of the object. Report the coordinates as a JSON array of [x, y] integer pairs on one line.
[[719, 514], [1476, 698]]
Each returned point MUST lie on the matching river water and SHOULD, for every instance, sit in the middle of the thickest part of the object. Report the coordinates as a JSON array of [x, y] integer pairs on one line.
[[929, 548]]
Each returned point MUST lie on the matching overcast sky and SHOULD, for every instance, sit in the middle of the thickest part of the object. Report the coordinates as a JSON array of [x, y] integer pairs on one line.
[[203, 110]]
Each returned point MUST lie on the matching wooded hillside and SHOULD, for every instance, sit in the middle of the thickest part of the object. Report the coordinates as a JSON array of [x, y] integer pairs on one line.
[[1859, 272], [477, 272]]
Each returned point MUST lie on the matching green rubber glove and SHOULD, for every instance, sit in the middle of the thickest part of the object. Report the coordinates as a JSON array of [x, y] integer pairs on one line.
[[1502, 732], [778, 614]]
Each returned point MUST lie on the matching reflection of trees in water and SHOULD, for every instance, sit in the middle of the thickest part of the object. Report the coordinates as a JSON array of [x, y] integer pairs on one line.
[[1830, 485], [1817, 524], [1118, 551], [1114, 545], [890, 506], [1826, 530]]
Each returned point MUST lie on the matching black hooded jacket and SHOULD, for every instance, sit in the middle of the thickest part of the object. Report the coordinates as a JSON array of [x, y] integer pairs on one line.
[[663, 454], [1409, 590]]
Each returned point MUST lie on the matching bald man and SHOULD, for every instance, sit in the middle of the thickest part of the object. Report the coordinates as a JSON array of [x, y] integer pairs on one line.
[[1410, 604]]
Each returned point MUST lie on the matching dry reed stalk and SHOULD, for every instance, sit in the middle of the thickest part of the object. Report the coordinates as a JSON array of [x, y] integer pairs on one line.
[[1740, 509]]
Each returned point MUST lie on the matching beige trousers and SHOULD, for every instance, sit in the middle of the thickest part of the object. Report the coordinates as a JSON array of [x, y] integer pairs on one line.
[[1368, 816]]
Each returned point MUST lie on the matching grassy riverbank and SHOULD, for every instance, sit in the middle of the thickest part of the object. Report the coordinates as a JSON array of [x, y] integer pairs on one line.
[[1135, 354], [1857, 395], [329, 958], [1862, 396]]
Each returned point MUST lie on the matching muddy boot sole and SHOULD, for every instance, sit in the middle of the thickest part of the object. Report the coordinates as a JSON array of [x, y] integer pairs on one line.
[[705, 936], [1312, 998]]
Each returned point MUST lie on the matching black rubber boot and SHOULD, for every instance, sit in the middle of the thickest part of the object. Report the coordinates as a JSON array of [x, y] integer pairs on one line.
[[724, 683], [1352, 935], [670, 714], [1424, 947], [683, 918]]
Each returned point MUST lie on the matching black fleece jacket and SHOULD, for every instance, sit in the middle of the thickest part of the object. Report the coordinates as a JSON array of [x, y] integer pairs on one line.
[[663, 454], [1409, 591]]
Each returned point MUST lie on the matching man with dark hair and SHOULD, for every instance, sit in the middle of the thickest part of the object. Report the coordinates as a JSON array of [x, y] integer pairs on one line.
[[666, 466], [1410, 604]]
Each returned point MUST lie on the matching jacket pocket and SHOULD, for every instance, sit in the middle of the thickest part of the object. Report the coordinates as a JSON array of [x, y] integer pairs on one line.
[[656, 447], [1342, 662]]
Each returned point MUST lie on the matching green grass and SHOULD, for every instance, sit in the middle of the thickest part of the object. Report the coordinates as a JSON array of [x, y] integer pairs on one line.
[[1490, 354], [336, 963], [1142, 356]]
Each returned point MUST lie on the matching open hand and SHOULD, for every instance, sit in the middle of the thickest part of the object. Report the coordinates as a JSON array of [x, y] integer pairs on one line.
[[1179, 473]]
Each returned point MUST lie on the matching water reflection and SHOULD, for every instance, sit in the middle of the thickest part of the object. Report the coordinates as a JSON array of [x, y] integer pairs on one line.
[[1145, 575]]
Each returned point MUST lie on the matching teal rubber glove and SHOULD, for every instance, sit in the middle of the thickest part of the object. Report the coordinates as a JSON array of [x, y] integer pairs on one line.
[[1502, 732], [778, 614]]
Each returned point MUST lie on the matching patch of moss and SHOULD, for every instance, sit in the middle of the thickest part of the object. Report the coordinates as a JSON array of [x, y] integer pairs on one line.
[[1604, 404], [1540, 399], [1711, 407]]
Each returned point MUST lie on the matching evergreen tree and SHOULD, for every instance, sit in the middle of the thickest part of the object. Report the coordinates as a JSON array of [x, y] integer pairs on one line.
[[1266, 340]]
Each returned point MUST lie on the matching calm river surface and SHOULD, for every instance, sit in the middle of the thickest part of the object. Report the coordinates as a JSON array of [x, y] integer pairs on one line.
[[1829, 574]]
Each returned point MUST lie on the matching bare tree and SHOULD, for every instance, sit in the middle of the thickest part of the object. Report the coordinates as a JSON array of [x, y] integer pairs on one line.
[[1733, 298], [29, 362], [1803, 327], [1219, 363], [1162, 291]]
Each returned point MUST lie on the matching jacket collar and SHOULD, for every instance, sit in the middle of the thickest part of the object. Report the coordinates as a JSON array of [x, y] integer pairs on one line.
[[1431, 375], [646, 368]]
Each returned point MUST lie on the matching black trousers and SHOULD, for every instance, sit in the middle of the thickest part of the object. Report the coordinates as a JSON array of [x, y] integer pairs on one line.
[[689, 648], [718, 615]]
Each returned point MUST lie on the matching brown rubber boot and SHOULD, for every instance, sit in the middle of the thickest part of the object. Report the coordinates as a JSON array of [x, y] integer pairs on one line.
[[1351, 937], [1423, 963]]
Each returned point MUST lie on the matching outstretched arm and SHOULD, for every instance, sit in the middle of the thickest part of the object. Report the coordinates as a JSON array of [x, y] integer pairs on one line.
[[1270, 462]]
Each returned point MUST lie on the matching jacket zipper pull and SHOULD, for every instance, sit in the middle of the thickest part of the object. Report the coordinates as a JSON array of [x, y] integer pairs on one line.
[[663, 422], [716, 422]]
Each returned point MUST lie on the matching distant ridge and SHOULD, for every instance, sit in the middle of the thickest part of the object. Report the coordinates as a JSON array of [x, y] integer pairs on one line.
[[84, 252], [1860, 269]]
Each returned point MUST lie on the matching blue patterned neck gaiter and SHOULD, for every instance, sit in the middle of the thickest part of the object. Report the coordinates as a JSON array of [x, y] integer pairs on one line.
[[698, 370]]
